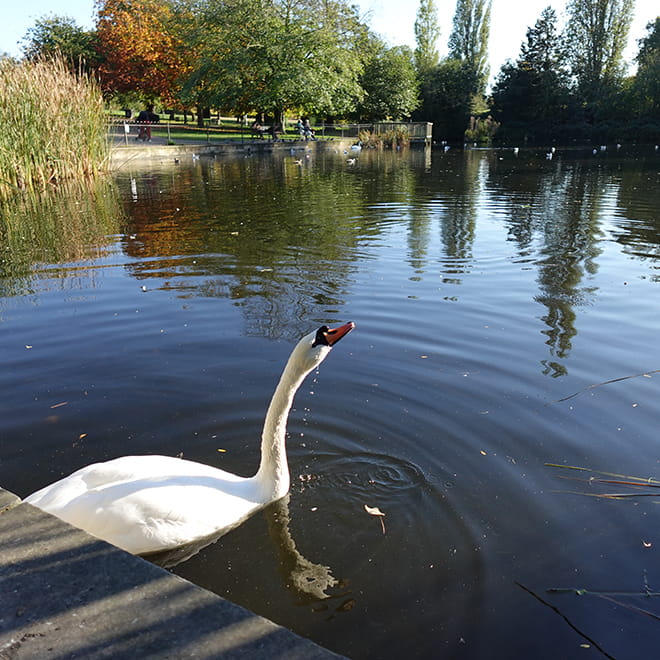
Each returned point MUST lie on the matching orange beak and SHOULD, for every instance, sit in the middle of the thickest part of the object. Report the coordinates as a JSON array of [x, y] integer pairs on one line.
[[332, 336]]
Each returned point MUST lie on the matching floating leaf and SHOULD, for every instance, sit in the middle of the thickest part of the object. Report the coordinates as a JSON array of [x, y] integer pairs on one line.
[[375, 511], [347, 605]]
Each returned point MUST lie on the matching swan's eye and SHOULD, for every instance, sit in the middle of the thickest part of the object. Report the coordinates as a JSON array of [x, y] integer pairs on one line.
[[321, 338]]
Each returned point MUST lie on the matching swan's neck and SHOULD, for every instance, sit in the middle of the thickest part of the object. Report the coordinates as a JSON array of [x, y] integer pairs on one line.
[[273, 475]]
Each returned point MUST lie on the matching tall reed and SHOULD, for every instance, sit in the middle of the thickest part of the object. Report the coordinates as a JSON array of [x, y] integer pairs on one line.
[[53, 125]]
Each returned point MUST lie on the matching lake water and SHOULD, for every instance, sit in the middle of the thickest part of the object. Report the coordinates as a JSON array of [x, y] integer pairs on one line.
[[154, 314]]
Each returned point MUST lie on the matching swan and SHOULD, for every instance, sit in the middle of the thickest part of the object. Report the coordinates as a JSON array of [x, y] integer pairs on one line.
[[148, 504]]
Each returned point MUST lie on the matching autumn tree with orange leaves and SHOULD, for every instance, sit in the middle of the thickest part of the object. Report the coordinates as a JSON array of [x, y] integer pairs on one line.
[[140, 50]]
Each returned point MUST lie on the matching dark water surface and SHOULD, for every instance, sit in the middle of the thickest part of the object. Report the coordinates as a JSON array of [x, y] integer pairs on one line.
[[154, 316]]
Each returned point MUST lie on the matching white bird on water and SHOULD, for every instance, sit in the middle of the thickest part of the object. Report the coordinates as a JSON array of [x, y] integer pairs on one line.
[[147, 504]]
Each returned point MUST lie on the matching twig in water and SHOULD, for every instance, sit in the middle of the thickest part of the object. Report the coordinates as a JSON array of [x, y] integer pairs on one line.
[[619, 479], [608, 596], [646, 374], [556, 610], [640, 480]]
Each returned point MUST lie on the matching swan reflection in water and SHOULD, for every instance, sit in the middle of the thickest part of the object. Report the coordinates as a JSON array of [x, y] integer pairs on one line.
[[308, 581]]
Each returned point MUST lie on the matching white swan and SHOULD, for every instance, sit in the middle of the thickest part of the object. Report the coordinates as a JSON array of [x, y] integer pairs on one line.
[[147, 504]]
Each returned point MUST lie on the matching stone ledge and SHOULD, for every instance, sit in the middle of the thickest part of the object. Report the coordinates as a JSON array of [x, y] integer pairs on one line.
[[66, 594]]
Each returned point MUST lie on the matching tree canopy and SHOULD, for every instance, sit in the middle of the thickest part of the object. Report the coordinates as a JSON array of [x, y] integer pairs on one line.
[[318, 57], [597, 33], [533, 93], [427, 32], [647, 81], [139, 48], [54, 35], [277, 55], [390, 85], [468, 40]]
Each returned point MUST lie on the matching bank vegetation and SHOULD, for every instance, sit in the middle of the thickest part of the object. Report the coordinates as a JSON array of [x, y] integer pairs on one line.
[[54, 125]]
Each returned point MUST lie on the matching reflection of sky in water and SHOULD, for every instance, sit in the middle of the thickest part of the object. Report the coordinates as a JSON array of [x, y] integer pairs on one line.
[[484, 288]]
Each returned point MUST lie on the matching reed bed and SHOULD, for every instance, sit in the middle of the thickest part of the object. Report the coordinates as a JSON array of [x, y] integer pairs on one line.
[[53, 125]]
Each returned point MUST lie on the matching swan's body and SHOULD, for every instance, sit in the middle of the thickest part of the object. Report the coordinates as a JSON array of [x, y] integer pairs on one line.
[[147, 504]]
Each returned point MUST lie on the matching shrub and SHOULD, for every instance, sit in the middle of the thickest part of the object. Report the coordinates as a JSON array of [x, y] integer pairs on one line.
[[481, 129]]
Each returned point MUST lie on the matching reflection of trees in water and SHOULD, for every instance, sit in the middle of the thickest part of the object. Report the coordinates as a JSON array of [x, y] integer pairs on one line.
[[68, 223], [560, 212], [460, 194], [637, 196], [282, 240], [277, 238], [451, 198]]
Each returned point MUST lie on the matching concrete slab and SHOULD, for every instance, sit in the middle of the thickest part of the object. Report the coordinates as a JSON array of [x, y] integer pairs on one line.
[[8, 500], [65, 594]]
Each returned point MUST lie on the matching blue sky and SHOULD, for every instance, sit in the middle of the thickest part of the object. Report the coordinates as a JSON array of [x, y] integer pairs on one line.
[[393, 19]]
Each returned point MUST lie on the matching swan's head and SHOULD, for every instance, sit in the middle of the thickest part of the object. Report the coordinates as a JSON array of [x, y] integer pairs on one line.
[[314, 347]]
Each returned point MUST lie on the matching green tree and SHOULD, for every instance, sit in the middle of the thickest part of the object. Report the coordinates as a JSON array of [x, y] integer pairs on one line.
[[447, 95], [596, 34], [468, 40], [531, 97], [54, 35], [277, 55], [427, 32], [647, 81], [649, 46], [390, 85]]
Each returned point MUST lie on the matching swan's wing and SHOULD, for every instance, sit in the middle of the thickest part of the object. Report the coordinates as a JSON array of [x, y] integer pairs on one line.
[[163, 515], [117, 471], [150, 503], [131, 468]]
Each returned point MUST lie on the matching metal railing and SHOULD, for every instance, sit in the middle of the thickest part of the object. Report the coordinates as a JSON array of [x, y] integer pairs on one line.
[[121, 129]]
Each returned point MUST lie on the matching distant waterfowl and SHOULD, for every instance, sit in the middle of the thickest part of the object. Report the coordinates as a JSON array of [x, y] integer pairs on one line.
[[147, 504]]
